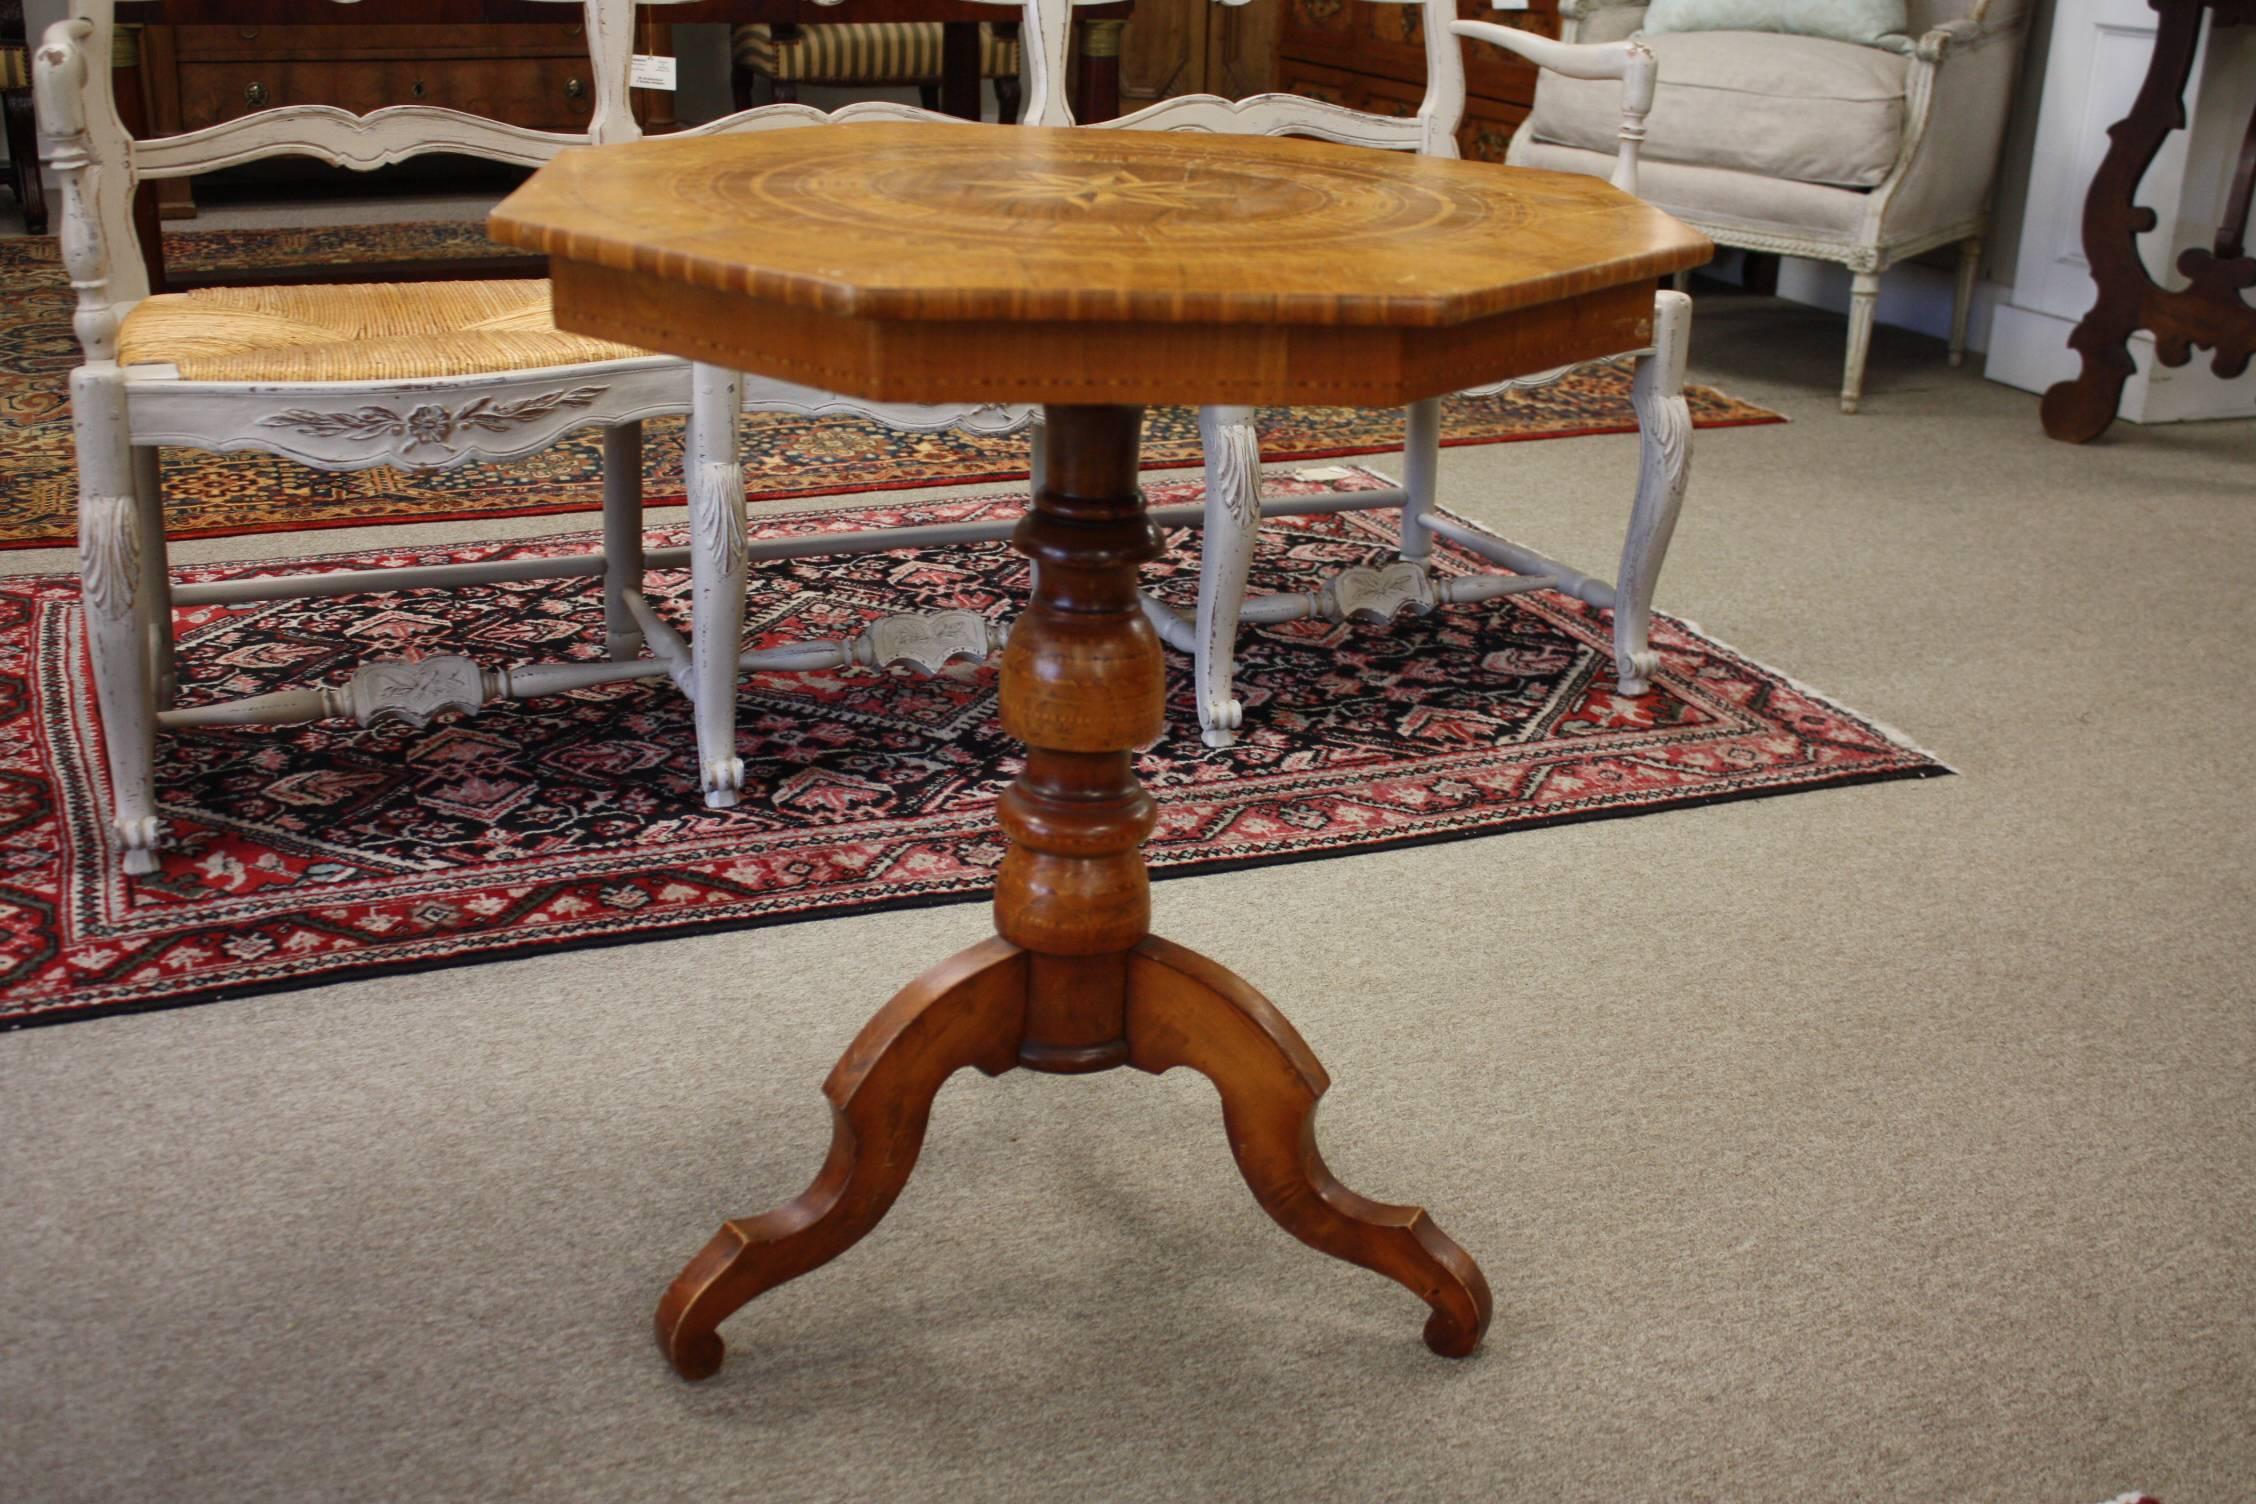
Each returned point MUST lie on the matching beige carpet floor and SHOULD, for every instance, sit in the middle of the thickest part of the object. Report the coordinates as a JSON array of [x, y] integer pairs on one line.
[[1891, 1143]]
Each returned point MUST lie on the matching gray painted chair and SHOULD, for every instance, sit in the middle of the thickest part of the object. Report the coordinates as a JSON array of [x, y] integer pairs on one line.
[[1801, 146]]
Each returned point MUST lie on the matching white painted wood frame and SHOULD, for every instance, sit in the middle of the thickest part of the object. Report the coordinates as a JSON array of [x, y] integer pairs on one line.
[[124, 416], [1234, 504]]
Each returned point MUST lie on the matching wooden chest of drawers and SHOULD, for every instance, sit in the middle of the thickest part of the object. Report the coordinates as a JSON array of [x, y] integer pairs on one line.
[[1373, 57], [527, 74]]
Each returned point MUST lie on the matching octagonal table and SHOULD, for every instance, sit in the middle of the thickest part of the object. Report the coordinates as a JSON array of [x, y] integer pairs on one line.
[[1091, 271]]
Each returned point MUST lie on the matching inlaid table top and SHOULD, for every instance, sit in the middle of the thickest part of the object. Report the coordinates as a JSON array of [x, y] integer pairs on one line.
[[896, 260]]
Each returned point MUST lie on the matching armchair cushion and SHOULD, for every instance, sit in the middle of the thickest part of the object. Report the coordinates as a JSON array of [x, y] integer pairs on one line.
[[1801, 109], [863, 52], [374, 331], [1870, 23]]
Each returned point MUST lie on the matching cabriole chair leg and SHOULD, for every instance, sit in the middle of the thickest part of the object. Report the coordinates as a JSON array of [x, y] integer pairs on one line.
[[1233, 526], [715, 484], [113, 587], [1664, 425]]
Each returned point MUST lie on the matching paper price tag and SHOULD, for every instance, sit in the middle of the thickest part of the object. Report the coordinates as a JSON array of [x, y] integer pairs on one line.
[[651, 72]]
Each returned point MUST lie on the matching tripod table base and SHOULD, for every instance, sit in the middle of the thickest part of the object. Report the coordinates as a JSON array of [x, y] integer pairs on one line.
[[971, 1010]]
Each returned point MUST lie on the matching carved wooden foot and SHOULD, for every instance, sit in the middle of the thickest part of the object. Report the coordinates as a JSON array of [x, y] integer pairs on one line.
[[996, 1006], [1186, 1010], [968, 1010]]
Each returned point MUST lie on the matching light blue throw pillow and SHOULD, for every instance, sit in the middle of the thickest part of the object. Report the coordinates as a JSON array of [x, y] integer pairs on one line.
[[1870, 23]]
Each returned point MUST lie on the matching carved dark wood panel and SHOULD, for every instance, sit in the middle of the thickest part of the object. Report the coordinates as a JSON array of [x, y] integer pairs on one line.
[[2210, 312]]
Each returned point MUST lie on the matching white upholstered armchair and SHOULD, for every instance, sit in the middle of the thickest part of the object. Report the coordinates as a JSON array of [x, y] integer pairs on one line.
[[1804, 146]]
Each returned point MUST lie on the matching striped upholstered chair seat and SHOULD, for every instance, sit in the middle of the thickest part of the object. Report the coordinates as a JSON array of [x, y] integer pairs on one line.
[[15, 68], [863, 52], [355, 332]]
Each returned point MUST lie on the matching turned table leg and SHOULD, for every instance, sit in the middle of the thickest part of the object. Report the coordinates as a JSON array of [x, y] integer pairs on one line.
[[1074, 982]]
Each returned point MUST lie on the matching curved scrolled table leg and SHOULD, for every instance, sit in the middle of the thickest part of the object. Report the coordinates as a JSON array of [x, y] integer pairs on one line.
[[1185, 1010], [2209, 310], [968, 1010]]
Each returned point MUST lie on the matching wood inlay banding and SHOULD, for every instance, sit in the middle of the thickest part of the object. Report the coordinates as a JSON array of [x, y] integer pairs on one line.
[[891, 221]]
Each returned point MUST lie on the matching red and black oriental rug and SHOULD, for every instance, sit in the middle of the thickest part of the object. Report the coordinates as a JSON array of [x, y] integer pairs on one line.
[[310, 853], [222, 495]]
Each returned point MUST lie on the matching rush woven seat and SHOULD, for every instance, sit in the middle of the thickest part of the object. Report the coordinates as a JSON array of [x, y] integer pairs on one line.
[[863, 52], [355, 332]]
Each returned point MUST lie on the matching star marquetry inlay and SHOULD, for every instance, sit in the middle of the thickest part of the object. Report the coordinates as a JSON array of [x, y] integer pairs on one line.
[[1118, 186]]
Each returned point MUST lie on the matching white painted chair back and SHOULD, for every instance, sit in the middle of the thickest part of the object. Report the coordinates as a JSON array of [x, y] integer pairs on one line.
[[1431, 132], [124, 416], [1234, 504], [76, 101]]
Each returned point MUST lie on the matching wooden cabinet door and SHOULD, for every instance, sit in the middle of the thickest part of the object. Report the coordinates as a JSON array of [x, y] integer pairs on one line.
[[528, 75], [1487, 129], [1177, 47], [541, 93], [1388, 41], [1163, 52]]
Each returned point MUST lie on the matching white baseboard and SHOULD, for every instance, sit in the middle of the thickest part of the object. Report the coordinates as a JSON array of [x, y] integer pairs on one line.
[[2024, 348], [2029, 350], [1912, 297]]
